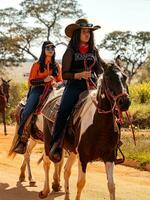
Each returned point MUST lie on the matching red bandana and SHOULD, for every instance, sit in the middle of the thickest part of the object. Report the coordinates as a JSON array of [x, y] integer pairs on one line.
[[84, 48]]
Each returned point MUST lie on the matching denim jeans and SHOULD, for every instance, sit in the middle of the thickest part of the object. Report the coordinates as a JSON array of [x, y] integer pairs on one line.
[[31, 104], [68, 101]]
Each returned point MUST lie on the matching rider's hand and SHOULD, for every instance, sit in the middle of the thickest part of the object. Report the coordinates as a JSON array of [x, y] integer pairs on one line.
[[54, 84], [85, 75], [48, 79]]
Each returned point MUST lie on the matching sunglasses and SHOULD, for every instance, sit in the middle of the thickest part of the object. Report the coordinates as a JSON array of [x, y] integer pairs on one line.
[[49, 48], [83, 24]]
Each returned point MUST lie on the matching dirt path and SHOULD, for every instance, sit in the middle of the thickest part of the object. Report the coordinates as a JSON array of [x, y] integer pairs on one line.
[[131, 184]]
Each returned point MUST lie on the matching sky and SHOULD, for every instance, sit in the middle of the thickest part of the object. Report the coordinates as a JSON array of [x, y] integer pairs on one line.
[[111, 15]]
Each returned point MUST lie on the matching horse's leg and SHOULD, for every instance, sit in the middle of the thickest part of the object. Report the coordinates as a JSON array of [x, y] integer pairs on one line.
[[46, 165], [27, 155], [111, 186], [4, 122], [81, 180], [56, 176], [22, 171], [67, 172], [26, 162]]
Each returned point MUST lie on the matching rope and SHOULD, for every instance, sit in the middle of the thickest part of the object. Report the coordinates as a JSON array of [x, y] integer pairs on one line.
[[42, 98], [133, 133]]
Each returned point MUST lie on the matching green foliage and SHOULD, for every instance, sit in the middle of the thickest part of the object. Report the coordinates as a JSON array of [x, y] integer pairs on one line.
[[140, 152], [133, 49], [17, 92], [140, 93], [140, 115], [140, 105], [18, 38]]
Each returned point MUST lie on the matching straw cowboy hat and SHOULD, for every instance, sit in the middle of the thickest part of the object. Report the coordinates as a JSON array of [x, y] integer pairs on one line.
[[80, 23]]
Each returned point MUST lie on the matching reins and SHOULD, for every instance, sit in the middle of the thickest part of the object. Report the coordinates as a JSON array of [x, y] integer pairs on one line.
[[109, 95], [89, 68], [115, 107], [43, 97]]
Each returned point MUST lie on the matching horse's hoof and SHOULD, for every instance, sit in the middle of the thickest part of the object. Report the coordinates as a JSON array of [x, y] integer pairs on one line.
[[56, 187], [42, 196], [32, 183], [67, 197]]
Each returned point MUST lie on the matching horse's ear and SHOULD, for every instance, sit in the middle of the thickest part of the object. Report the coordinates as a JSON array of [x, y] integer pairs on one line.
[[9, 80], [118, 61], [105, 66]]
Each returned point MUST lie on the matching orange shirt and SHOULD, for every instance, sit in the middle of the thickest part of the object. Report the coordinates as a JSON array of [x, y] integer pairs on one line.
[[36, 74]]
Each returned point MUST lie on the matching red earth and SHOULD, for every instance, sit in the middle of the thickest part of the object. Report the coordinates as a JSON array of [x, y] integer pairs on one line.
[[131, 183]]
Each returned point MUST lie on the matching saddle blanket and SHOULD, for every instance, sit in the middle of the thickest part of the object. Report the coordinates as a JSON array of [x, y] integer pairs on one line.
[[51, 107], [52, 104]]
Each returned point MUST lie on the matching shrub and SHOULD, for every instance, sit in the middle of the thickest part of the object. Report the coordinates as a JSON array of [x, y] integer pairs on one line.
[[140, 105], [140, 93], [17, 92]]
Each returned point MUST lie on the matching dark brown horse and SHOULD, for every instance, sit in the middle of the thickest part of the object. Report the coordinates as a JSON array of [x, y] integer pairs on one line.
[[4, 96], [94, 132]]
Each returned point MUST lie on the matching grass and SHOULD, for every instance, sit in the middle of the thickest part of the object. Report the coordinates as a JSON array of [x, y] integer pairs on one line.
[[140, 152], [140, 115]]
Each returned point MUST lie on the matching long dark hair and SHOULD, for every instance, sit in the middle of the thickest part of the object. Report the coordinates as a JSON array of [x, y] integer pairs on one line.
[[75, 39], [42, 57]]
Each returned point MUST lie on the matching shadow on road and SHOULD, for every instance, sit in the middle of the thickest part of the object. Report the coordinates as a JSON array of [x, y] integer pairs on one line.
[[21, 192]]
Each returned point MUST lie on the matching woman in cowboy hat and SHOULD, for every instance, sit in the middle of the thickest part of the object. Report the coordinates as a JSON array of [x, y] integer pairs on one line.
[[81, 50]]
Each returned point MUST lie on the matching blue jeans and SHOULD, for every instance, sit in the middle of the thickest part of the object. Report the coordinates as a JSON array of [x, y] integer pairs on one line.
[[68, 101], [31, 104]]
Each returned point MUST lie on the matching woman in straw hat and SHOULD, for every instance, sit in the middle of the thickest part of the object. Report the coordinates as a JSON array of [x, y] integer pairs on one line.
[[81, 62]]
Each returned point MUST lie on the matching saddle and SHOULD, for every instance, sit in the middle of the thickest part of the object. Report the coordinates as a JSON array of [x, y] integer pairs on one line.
[[30, 127], [50, 112]]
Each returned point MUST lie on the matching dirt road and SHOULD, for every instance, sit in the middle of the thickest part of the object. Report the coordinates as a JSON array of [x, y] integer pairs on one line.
[[131, 184]]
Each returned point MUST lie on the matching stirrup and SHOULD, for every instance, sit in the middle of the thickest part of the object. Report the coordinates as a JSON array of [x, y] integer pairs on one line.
[[119, 160]]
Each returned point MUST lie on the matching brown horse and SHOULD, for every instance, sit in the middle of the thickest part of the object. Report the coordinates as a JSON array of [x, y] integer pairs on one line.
[[93, 133], [4, 96]]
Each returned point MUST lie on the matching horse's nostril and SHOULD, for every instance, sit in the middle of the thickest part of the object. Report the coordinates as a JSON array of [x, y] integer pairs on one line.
[[124, 103], [120, 102]]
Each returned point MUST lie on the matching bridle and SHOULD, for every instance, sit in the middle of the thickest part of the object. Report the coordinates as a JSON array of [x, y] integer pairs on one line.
[[114, 107], [110, 97]]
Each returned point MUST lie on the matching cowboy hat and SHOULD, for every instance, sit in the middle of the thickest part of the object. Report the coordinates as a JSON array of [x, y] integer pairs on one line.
[[80, 23]]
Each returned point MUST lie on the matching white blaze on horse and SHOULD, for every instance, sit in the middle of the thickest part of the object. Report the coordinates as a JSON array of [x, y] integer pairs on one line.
[[93, 130]]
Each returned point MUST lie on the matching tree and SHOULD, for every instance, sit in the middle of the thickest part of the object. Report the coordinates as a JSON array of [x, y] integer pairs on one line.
[[17, 36], [132, 48], [49, 13], [9, 52], [144, 74]]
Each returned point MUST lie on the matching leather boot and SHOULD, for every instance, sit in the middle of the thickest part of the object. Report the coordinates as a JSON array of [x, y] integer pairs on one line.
[[20, 147], [55, 154]]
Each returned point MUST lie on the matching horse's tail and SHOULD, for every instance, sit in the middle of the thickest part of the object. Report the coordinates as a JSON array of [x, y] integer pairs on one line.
[[11, 152], [40, 160]]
